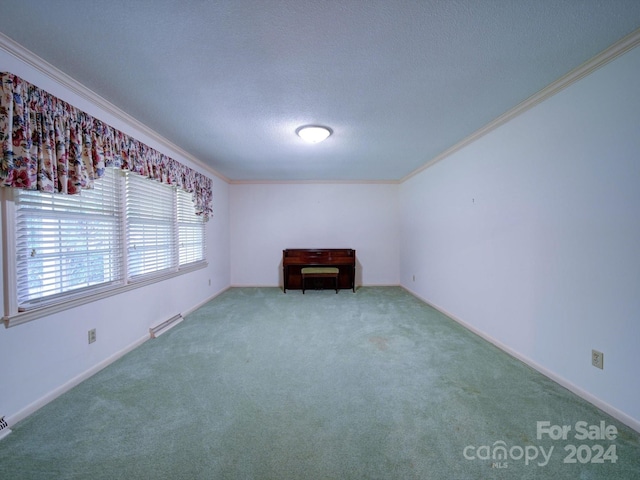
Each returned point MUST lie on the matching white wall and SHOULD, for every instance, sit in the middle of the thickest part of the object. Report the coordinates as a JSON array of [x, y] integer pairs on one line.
[[268, 218], [39, 358], [531, 235]]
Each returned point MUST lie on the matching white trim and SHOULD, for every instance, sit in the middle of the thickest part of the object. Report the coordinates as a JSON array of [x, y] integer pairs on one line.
[[9, 246], [614, 412], [31, 59], [4, 432], [589, 397], [28, 315], [4, 428], [205, 301], [55, 393], [619, 48]]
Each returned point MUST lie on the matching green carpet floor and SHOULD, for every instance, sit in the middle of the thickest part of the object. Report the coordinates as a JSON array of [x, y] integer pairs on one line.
[[257, 384]]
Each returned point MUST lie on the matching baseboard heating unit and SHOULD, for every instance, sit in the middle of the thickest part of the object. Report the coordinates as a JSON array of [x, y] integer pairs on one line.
[[164, 326], [4, 428]]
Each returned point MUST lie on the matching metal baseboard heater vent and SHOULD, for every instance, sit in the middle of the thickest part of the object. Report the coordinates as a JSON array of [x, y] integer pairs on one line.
[[164, 326], [4, 428]]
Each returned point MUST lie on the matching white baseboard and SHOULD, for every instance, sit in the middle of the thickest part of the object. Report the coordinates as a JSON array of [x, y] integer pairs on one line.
[[589, 397], [4, 432], [4, 428], [205, 301], [55, 393], [605, 407]]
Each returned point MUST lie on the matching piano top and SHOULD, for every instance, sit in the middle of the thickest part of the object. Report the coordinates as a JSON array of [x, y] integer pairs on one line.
[[318, 256]]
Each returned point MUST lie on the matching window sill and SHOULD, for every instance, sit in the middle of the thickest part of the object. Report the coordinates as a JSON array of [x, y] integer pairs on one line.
[[50, 309]]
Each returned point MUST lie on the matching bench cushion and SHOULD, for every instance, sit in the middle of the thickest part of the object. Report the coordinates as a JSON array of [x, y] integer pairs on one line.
[[315, 270]]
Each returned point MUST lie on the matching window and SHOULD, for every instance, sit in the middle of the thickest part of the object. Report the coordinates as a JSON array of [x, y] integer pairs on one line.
[[191, 245], [125, 231], [65, 243], [151, 226]]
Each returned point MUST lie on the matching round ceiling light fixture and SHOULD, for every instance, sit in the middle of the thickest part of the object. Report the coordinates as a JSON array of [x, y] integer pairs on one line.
[[313, 133]]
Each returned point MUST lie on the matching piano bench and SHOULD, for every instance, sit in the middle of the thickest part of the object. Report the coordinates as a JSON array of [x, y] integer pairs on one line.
[[319, 272]]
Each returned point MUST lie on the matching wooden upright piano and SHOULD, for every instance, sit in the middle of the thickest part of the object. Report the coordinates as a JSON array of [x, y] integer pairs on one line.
[[295, 259]]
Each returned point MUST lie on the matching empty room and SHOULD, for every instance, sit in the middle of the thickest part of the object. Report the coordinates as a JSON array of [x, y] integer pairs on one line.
[[320, 240]]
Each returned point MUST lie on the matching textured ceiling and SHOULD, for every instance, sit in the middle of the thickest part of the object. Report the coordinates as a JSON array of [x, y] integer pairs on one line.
[[398, 81]]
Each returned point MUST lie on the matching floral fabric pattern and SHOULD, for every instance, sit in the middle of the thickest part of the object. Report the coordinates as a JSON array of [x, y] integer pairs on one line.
[[51, 146]]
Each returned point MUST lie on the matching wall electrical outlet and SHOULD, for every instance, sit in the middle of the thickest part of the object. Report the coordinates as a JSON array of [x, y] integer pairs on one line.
[[92, 335], [597, 359]]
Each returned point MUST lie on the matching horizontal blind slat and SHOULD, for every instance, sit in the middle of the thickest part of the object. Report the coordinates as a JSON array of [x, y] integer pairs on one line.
[[151, 234], [71, 245], [191, 231], [65, 243]]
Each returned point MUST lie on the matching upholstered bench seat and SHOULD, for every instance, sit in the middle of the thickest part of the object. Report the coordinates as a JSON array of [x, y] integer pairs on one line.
[[319, 272]]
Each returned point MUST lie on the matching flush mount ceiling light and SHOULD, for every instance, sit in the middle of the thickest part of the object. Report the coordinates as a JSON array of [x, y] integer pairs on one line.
[[313, 133]]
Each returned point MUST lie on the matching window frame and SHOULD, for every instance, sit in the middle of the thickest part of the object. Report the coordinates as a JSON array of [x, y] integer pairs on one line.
[[13, 316], [143, 225], [47, 218], [182, 197]]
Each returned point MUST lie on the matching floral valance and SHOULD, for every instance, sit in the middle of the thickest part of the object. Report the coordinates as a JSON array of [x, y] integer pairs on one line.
[[51, 146]]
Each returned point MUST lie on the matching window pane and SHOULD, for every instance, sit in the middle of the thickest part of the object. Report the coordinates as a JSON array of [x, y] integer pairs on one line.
[[191, 242], [65, 243], [126, 228], [151, 228]]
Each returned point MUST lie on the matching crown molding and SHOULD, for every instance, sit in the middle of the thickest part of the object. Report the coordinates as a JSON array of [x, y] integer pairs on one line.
[[619, 48], [58, 76]]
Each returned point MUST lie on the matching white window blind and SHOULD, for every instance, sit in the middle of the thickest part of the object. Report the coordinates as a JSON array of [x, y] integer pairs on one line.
[[127, 231], [191, 244], [68, 244], [151, 232]]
